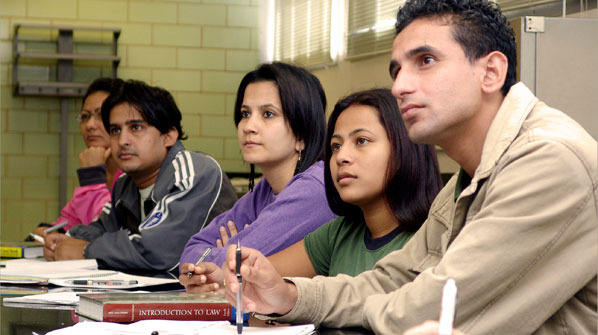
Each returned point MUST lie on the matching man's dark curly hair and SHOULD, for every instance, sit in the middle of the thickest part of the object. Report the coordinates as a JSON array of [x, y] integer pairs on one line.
[[479, 26]]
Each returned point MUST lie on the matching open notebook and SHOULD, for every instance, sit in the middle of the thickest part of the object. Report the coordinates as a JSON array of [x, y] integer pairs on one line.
[[72, 274]]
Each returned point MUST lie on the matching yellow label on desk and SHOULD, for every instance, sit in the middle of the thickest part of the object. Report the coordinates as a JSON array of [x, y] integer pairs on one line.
[[11, 252]]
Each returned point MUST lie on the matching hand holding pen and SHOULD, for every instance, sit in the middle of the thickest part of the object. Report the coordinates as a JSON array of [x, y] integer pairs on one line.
[[201, 259], [264, 291]]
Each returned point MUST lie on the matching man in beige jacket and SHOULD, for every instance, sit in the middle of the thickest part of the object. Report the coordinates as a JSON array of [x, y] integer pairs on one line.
[[516, 228]]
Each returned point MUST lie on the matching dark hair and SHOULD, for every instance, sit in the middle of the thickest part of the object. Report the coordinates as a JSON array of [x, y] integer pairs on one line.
[[412, 176], [104, 84], [303, 105], [155, 104], [479, 26]]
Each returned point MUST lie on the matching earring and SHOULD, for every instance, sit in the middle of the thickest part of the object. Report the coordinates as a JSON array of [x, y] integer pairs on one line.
[[300, 152]]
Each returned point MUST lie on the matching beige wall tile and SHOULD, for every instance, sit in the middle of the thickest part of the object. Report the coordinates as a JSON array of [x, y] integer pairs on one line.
[[228, 2], [151, 57], [40, 188], [144, 75], [201, 103], [25, 211], [230, 103], [52, 9], [41, 144], [132, 33], [242, 16], [241, 60], [213, 15], [211, 146], [236, 38], [4, 27], [175, 80], [25, 166], [233, 165], [205, 59], [218, 126], [12, 143], [154, 12], [177, 35], [103, 10], [232, 149], [11, 188], [191, 125], [225, 82], [12, 8], [71, 168], [27, 121]]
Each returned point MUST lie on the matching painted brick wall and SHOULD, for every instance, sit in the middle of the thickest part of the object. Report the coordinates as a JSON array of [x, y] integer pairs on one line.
[[197, 49]]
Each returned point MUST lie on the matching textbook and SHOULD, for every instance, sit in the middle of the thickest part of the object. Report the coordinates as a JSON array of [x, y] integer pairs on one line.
[[130, 307], [21, 250]]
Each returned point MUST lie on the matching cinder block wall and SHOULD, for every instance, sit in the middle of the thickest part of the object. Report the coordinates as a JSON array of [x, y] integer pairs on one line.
[[197, 49]]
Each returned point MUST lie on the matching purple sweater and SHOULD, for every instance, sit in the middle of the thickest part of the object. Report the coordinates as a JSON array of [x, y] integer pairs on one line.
[[275, 221]]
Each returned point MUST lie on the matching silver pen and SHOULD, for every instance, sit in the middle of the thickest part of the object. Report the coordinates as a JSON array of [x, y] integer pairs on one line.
[[201, 259], [56, 227]]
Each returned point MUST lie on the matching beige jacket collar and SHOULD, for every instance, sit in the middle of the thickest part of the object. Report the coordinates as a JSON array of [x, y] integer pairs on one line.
[[507, 123]]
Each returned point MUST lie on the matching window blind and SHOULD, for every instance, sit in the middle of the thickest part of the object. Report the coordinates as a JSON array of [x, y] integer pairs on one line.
[[370, 28], [302, 32], [371, 23]]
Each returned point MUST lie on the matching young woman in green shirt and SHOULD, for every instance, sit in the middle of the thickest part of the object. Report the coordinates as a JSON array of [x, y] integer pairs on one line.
[[379, 183]]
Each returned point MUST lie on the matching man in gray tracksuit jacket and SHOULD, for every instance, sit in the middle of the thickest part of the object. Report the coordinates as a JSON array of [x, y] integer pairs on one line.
[[166, 194], [190, 190]]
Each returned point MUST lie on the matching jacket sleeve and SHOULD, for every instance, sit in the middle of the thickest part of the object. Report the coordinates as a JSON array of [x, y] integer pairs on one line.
[[175, 217], [529, 249], [298, 210], [88, 199]]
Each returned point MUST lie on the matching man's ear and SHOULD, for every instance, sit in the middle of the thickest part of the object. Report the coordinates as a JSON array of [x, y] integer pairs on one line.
[[169, 138], [495, 71]]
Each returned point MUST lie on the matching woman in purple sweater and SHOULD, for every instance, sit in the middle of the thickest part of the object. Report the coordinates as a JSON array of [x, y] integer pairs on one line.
[[280, 118]]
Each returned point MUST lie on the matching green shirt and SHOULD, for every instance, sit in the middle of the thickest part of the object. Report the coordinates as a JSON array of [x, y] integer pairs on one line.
[[345, 246]]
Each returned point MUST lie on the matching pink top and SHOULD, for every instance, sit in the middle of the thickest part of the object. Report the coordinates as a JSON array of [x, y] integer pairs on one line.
[[86, 204]]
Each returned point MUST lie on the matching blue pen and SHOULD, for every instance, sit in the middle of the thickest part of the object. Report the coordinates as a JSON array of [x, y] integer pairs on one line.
[[239, 319]]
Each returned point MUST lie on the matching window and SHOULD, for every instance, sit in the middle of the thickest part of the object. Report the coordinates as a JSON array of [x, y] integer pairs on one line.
[[370, 28], [302, 32]]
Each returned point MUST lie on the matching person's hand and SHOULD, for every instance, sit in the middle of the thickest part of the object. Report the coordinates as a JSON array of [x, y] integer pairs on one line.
[[40, 231], [51, 241], [93, 156], [69, 248], [428, 328], [224, 237], [264, 290], [207, 277]]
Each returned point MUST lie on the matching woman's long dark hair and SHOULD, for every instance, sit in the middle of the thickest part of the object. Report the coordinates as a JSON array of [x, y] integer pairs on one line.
[[412, 177]]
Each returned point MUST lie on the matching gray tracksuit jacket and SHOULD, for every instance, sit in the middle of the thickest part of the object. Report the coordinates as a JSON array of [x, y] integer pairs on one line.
[[190, 190]]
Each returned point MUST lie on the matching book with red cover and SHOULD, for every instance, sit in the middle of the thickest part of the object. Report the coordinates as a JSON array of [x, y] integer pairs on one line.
[[131, 307]]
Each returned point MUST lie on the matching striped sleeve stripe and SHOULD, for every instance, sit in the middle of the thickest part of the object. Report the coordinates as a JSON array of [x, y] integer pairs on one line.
[[205, 221], [183, 168], [107, 207]]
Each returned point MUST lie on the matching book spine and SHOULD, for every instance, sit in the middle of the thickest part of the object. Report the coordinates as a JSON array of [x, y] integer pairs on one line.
[[130, 312], [11, 252]]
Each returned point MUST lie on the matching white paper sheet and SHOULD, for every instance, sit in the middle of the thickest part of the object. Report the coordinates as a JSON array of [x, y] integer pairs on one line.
[[62, 273], [166, 327]]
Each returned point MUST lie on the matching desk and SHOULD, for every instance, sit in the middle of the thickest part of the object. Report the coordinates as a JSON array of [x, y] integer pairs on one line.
[[25, 321]]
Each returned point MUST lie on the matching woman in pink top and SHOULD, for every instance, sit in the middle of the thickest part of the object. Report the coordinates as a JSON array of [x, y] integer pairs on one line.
[[98, 170]]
